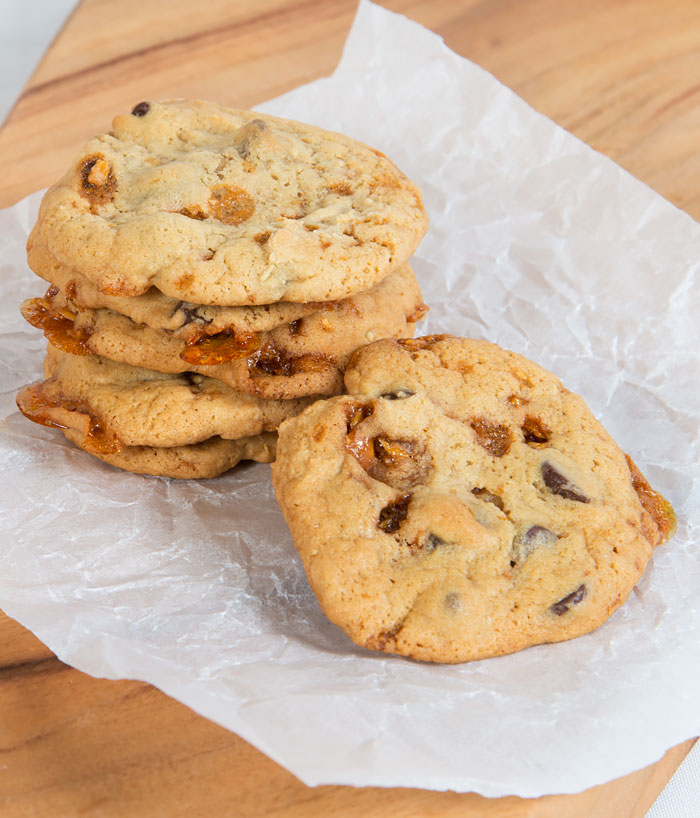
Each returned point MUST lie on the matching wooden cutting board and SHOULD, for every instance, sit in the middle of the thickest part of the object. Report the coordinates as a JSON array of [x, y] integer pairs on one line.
[[621, 75]]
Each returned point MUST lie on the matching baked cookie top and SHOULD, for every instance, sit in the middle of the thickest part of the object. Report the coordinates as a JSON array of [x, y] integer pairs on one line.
[[460, 503], [304, 357], [219, 206], [114, 405]]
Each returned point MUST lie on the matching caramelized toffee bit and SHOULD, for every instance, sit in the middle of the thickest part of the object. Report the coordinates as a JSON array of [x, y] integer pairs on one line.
[[194, 212], [488, 497], [418, 314], [295, 326], [342, 188], [230, 204], [392, 515], [273, 361], [561, 607], [98, 183], [494, 437], [425, 342], [35, 403], [262, 238], [658, 507], [141, 109], [220, 348], [526, 541], [534, 431], [357, 412], [57, 324], [380, 640], [517, 400], [399, 394], [558, 484], [402, 464]]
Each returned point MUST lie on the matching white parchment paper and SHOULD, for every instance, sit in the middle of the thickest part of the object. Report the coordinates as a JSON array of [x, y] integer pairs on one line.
[[537, 243]]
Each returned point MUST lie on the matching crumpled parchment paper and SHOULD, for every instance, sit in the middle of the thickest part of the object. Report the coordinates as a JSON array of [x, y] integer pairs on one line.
[[537, 243]]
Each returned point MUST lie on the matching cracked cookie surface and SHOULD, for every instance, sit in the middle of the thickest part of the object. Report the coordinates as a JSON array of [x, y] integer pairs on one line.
[[460, 503], [227, 207]]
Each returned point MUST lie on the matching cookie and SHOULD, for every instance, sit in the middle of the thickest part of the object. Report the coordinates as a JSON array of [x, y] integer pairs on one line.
[[183, 319], [219, 206], [112, 406], [304, 357], [210, 458], [460, 503]]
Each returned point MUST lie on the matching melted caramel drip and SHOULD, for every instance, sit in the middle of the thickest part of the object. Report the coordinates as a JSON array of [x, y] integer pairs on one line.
[[496, 439], [657, 506], [35, 403], [57, 324], [220, 348]]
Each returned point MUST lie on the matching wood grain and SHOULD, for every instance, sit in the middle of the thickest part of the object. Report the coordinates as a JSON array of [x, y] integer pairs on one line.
[[623, 75]]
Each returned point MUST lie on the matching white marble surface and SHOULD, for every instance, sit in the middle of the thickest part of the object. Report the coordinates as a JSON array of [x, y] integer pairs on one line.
[[25, 33]]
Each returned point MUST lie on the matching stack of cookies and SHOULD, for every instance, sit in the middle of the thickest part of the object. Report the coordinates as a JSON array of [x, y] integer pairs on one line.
[[211, 273]]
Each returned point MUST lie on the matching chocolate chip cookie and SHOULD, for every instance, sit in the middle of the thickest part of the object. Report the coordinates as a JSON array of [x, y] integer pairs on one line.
[[130, 416], [185, 320], [459, 503], [227, 207]]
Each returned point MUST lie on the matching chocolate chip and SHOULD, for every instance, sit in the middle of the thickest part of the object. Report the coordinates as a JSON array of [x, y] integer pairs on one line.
[[190, 314], [488, 497], [248, 135], [561, 607], [141, 109], [534, 431], [558, 484], [195, 382], [526, 541], [393, 514], [434, 541], [453, 602], [399, 394]]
